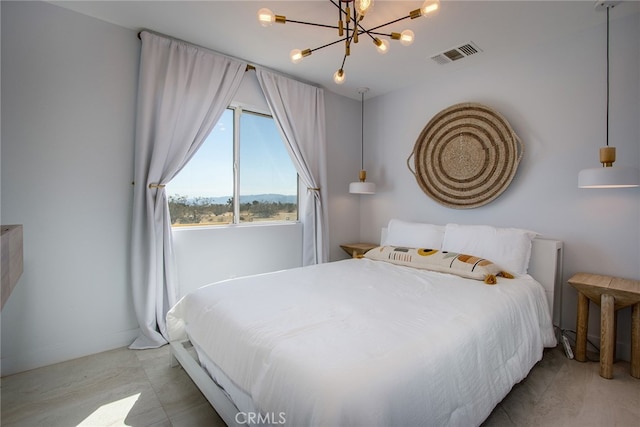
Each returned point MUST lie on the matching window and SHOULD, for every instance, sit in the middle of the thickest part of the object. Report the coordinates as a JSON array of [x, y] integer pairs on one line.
[[262, 187]]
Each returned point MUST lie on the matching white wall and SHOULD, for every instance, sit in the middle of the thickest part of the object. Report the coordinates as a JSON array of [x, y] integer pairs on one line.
[[553, 94], [343, 160], [208, 254], [68, 98]]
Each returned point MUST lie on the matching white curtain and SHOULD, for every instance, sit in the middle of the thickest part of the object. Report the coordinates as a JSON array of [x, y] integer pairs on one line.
[[182, 92], [298, 110]]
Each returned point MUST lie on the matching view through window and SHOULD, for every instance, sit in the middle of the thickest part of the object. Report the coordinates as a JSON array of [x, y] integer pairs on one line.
[[263, 186]]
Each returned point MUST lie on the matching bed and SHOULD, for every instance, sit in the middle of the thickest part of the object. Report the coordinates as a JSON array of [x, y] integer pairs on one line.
[[366, 342]]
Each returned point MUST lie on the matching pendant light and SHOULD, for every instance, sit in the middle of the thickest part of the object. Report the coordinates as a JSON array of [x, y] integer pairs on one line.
[[607, 176], [362, 187]]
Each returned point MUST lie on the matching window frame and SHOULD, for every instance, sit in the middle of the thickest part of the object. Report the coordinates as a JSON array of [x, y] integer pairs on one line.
[[237, 110]]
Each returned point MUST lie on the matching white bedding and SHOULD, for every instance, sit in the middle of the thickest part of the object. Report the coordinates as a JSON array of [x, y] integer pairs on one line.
[[361, 342]]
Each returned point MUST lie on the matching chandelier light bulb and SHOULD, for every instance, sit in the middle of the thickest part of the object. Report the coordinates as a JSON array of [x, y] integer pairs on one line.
[[338, 76], [296, 56], [407, 37], [363, 6], [430, 7], [381, 45], [266, 17]]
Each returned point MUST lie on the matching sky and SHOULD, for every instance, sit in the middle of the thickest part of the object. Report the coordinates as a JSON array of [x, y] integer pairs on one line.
[[265, 166]]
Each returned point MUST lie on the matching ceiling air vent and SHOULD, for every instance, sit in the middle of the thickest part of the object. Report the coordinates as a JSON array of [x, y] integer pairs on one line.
[[456, 53]]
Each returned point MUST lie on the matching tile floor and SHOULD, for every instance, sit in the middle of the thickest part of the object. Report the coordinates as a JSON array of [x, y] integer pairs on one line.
[[138, 388]]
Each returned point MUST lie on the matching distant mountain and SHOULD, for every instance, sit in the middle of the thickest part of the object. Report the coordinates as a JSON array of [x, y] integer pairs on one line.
[[268, 198], [264, 198]]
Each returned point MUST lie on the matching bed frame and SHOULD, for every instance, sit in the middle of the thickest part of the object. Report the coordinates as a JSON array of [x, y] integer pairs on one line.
[[183, 353], [545, 266]]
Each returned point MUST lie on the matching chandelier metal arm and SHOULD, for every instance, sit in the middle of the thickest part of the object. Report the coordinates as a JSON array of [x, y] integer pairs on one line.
[[373, 30], [311, 23], [329, 44], [338, 6], [342, 11], [355, 18], [362, 31], [376, 33], [388, 23], [344, 59], [369, 32], [349, 38]]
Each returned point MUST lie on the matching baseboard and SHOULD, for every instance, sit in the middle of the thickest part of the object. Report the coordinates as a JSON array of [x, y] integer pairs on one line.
[[623, 349], [67, 350]]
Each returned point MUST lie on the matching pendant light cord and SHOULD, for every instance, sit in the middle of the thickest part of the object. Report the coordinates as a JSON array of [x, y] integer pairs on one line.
[[362, 131], [607, 138]]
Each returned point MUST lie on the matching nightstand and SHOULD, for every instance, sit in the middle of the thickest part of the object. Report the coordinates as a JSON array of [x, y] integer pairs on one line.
[[611, 294], [356, 250]]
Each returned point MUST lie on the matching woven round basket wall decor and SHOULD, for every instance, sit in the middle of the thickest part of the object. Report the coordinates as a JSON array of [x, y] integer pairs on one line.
[[466, 156]]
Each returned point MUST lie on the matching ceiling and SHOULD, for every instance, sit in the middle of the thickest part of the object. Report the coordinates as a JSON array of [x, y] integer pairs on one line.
[[498, 28]]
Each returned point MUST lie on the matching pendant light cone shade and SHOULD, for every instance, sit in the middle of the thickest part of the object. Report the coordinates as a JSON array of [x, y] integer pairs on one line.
[[618, 177], [608, 176], [362, 186]]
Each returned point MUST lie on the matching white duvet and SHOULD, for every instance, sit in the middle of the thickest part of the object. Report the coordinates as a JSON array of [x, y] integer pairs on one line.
[[366, 343]]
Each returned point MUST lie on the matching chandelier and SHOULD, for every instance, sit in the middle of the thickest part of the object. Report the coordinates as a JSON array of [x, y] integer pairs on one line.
[[350, 29]]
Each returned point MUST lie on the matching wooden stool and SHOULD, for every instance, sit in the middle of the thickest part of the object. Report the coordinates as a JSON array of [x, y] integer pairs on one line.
[[612, 294]]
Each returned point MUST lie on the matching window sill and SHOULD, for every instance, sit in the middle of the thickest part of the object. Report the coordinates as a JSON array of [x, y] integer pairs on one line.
[[235, 226]]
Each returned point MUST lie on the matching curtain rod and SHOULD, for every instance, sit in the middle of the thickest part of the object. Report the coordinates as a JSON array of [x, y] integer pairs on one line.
[[249, 66]]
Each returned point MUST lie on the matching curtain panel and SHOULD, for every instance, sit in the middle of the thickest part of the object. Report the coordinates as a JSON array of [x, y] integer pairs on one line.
[[298, 110], [182, 92]]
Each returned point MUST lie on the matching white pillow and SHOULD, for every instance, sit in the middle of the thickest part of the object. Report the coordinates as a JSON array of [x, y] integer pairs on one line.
[[510, 248], [414, 235]]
